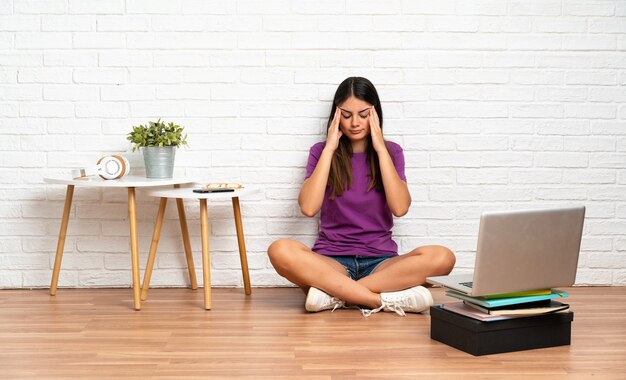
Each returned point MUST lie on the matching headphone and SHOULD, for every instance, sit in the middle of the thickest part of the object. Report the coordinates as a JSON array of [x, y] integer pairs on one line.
[[108, 167], [113, 166]]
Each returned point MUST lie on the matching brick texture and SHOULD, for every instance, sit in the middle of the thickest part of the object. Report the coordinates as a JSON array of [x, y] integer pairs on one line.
[[498, 105]]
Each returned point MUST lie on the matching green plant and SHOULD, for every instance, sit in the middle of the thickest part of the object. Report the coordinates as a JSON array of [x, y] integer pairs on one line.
[[157, 134]]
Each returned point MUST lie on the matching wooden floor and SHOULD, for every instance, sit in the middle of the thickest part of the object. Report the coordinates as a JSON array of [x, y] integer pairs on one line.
[[95, 333]]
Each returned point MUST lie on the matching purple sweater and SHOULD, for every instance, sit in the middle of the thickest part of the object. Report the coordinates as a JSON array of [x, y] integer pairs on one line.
[[359, 222]]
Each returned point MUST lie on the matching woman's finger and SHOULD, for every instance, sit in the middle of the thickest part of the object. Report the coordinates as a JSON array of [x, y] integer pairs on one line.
[[373, 121], [375, 116], [334, 134]]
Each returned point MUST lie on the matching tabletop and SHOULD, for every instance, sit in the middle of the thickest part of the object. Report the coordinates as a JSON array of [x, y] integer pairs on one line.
[[187, 193], [126, 181]]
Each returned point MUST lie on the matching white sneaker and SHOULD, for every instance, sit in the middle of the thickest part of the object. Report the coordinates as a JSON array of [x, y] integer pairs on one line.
[[412, 300], [317, 300]]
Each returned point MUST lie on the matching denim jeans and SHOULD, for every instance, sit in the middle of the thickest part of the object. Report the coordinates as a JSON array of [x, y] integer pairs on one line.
[[360, 266]]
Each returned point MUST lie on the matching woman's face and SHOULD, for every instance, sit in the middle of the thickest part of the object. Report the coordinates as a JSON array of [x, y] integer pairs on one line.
[[354, 122]]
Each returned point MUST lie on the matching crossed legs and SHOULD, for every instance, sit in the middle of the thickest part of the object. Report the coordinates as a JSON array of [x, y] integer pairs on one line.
[[305, 268]]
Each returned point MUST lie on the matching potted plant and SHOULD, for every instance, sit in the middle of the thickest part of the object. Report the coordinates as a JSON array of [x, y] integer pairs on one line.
[[158, 142]]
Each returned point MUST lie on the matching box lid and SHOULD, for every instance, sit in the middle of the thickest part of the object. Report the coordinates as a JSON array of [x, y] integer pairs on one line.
[[436, 312]]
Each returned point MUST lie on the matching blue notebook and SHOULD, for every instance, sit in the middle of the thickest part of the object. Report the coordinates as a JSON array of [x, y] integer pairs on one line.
[[495, 302]]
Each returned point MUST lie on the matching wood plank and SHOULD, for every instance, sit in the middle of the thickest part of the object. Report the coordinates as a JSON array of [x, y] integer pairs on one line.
[[87, 333]]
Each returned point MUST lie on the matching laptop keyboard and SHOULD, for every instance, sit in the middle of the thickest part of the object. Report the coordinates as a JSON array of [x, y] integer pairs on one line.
[[468, 284]]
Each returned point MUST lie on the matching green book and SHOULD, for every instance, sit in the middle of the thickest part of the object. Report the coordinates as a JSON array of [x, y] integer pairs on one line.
[[496, 302]]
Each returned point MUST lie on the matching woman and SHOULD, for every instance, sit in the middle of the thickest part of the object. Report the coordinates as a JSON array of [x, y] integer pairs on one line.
[[356, 179]]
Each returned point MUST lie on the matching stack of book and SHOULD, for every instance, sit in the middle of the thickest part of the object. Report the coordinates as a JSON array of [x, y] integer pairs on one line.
[[507, 306]]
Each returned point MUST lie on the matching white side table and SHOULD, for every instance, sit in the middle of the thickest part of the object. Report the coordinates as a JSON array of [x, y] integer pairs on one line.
[[129, 182], [187, 193]]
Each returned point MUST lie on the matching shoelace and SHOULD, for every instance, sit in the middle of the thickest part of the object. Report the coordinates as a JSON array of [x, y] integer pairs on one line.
[[395, 306], [337, 302]]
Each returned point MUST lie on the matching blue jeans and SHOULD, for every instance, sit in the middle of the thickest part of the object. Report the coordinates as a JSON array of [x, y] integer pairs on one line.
[[360, 266]]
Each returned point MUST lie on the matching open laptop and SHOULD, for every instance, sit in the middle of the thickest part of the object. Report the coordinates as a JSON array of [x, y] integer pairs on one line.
[[522, 250]]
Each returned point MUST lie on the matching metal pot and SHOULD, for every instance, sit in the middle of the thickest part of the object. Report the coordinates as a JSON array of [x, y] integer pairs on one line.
[[159, 161]]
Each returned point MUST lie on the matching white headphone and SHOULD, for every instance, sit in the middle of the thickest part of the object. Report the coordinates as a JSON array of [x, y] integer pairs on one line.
[[108, 167], [113, 166]]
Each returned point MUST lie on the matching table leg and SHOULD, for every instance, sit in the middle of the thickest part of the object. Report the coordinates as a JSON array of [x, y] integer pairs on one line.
[[206, 263], [242, 246], [185, 232], [134, 247], [69, 194], [153, 248]]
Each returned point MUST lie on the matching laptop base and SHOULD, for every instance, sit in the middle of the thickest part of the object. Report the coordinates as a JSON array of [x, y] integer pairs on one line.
[[454, 282]]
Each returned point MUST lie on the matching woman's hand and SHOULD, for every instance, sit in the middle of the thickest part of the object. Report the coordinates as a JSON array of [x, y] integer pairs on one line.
[[312, 193], [334, 134], [377, 133], [396, 189]]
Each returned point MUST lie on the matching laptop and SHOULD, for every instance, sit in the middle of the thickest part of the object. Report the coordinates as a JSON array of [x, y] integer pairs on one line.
[[522, 250]]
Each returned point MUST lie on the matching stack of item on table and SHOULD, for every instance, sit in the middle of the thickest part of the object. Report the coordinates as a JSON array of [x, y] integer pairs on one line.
[[499, 307], [498, 312], [503, 322]]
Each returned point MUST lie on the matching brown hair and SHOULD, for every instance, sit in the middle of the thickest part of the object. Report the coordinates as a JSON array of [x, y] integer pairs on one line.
[[340, 174]]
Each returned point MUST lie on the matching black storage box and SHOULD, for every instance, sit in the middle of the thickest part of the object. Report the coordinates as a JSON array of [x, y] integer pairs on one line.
[[484, 338]]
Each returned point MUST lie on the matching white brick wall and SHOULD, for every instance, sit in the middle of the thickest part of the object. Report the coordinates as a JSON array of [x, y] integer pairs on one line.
[[498, 105]]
